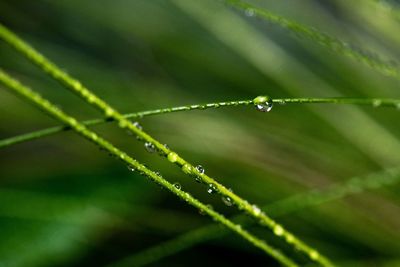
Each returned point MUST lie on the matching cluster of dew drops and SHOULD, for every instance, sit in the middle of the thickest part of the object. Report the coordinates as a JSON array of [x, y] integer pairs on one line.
[[261, 103]]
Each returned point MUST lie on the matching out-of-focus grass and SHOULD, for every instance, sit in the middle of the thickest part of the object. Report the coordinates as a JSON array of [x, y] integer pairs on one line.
[[66, 204]]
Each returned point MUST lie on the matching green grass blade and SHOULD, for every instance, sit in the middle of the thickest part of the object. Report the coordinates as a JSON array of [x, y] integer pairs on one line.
[[75, 86], [312, 198], [321, 38], [375, 102], [34, 98]]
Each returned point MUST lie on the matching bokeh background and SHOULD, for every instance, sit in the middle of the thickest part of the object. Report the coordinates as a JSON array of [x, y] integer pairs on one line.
[[65, 203]]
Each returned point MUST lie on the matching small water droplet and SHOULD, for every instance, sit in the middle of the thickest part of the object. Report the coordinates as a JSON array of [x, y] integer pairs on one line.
[[203, 212], [314, 255], [376, 103], [137, 125], [123, 123], [200, 169], [177, 186], [109, 112], [188, 169], [256, 210], [131, 168], [212, 189], [166, 146], [91, 99], [289, 238], [278, 230], [198, 179], [172, 157], [263, 103], [249, 12], [227, 200], [149, 147]]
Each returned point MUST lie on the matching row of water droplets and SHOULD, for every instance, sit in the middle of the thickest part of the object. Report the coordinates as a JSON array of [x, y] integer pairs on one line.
[[261, 103]]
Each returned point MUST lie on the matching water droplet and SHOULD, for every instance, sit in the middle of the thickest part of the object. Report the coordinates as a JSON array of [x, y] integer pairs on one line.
[[149, 147], [212, 189], [203, 212], [131, 168], [109, 112], [227, 200], [263, 103], [376, 103], [137, 125], [177, 186], [249, 12], [199, 179], [314, 255], [91, 99], [256, 210], [166, 146], [278, 230], [123, 123], [289, 238], [200, 169], [188, 169], [172, 157]]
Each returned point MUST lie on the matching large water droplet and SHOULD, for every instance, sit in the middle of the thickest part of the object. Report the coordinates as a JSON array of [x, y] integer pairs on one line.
[[263, 103], [177, 186], [212, 188], [149, 147]]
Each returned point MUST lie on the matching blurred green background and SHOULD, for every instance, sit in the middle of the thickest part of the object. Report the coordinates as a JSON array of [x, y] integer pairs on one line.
[[65, 203]]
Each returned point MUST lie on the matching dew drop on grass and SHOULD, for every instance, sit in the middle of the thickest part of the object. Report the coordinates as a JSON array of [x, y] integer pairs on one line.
[[131, 168], [188, 169], [137, 125], [149, 147], [314, 255], [109, 112], [203, 212], [278, 230], [256, 210], [123, 123], [249, 12], [177, 186], [212, 189], [227, 200], [172, 157], [377, 103], [263, 103], [200, 169]]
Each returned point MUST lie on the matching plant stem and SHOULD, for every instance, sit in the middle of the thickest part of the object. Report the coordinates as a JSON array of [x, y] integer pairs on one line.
[[336, 45], [294, 203], [75, 86], [82, 130], [376, 102]]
